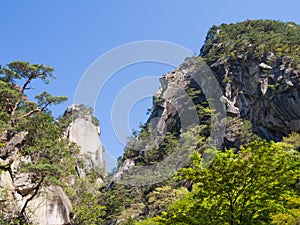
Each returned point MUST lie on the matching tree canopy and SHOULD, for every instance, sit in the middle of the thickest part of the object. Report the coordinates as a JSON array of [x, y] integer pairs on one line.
[[255, 186]]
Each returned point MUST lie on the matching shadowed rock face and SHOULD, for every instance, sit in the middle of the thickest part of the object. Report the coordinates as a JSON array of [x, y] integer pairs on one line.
[[264, 90], [269, 98]]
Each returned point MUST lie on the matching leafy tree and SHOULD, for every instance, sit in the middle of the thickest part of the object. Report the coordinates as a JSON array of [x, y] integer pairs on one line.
[[244, 188], [50, 156], [162, 197], [16, 79], [85, 198], [117, 200], [149, 221], [290, 216]]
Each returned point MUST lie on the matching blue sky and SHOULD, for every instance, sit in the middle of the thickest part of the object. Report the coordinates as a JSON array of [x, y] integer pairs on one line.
[[70, 35]]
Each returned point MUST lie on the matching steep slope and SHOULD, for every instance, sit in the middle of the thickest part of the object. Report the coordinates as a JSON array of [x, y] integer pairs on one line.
[[256, 64], [84, 131], [260, 73]]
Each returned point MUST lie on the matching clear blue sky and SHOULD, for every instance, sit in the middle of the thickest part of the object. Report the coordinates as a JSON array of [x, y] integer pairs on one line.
[[69, 35]]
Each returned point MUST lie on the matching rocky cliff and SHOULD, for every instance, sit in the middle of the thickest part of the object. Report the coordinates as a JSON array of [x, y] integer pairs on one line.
[[256, 92], [256, 65], [259, 78], [23, 194], [35, 198], [84, 132]]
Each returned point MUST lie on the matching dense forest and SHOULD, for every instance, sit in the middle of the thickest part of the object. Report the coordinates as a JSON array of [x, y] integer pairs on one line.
[[254, 177]]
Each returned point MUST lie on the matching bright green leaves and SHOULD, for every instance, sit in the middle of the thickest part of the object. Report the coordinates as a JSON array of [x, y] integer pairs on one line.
[[86, 204], [290, 216], [162, 197], [244, 188]]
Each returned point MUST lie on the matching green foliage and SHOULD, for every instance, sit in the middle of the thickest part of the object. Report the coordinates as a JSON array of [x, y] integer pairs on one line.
[[129, 221], [291, 216], [253, 37], [162, 197], [15, 81], [244, 188], [81, 111], [119, 199], [44, 99], [293, 139], [84, 196], [27, 71], [158, 146], [149, 221], [49, 156]]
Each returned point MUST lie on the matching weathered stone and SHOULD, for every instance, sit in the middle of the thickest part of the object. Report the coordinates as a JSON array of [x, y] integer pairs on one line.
[[9, 153], [23, 181], [6, 181], [85, 134], [80, 172], [274, 112], [289, 83], [264, 86], [231, 108], [265, 66], [271, 111], [50, 206]]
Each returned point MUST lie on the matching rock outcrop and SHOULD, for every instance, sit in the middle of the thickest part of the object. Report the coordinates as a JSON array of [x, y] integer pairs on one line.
[[267, 96], [261, 88], [50, 206], [22, 194], [85, 133], [25, 194]]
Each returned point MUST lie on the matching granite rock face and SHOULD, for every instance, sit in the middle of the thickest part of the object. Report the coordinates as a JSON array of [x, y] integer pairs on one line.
[[86, 136], [267, 96], [24, 193], [263, 90], [50, 206], [20, 191], [83, 132]]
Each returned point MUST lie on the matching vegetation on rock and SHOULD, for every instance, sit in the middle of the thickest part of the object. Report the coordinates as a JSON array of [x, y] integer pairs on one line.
[[253, 37]]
